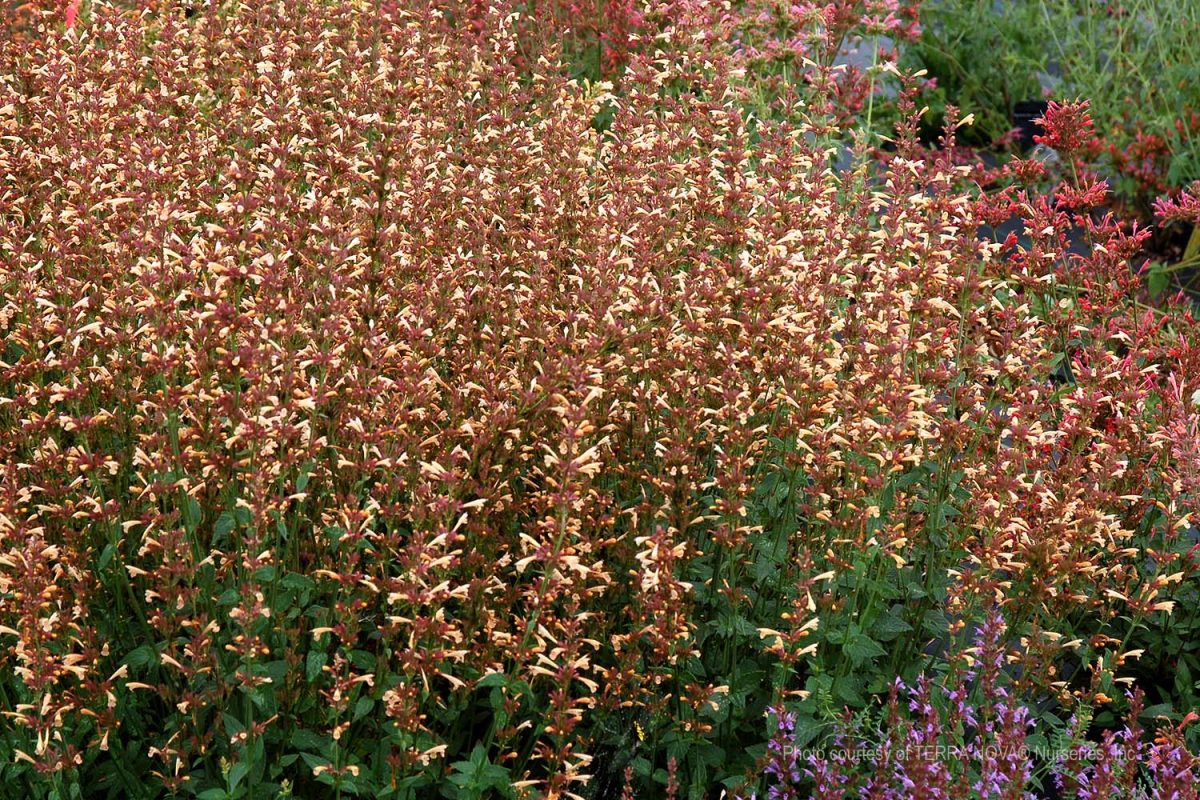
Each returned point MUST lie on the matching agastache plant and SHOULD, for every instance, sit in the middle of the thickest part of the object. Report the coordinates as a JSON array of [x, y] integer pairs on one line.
[[386, 410]]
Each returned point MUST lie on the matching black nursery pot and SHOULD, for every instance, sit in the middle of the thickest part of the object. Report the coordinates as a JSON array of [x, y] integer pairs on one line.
[[1024, 114]]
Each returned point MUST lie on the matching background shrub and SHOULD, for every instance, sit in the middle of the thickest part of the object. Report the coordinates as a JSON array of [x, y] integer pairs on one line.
[[1119, 56]]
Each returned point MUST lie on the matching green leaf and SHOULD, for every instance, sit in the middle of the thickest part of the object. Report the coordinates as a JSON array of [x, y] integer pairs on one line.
[[236, 773], [935, 622], [889, 626], [479, 774], [253, 752], [233, 726], [1160, 710], [362, 659], [807, 729], [223, 526], [362, 707], [848, 689], [732, 624], [314, 761], [142, 657], [492, 679], [190, 513], [106, 557], [277, 671], [297, 582], [939, 513], [1157, 279], [313, 664], [306, 740], [862, 648], [1193, 246], [913, 476], [1184, 685], [302, 479], [711, 755]]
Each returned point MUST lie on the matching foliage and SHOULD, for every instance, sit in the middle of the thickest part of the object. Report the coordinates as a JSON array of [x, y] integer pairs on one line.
[[986, 69]]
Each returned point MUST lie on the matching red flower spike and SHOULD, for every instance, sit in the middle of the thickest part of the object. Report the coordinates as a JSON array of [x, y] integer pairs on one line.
[[1068, 127]]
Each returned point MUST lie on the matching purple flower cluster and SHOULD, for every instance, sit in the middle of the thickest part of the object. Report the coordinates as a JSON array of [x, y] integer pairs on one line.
[[970, 743]]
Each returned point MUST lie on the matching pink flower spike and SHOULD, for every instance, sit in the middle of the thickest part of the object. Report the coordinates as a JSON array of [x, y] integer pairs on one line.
[[1184, 208], [71, 12]]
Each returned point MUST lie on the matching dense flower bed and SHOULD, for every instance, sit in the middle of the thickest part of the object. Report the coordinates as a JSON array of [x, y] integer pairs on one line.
[[388, 413]]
